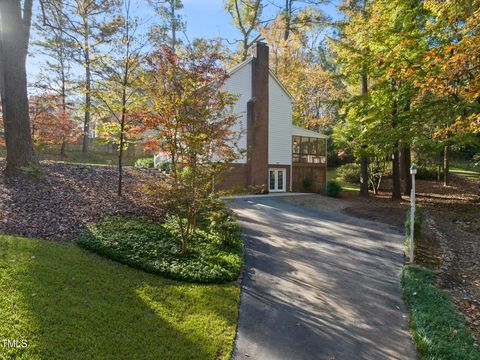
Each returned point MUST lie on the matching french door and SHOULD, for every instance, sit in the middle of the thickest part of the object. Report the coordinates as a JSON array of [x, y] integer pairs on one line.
[[277, 180]]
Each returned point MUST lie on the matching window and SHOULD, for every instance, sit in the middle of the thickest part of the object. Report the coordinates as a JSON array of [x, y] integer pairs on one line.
[[296, 145], [308, 150]]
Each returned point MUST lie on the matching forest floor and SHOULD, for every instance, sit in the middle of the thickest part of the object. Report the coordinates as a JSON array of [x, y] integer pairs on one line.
[[62, 198], [450, 243]]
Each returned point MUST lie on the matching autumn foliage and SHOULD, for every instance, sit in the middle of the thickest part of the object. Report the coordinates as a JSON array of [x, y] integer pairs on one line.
[[51, 121], [189, 116]]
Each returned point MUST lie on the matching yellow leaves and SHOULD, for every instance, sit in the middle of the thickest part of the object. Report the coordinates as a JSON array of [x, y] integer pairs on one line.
[[462, 125]]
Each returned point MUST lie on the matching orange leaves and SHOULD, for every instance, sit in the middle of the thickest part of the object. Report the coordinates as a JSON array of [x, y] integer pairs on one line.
[[50, 120]]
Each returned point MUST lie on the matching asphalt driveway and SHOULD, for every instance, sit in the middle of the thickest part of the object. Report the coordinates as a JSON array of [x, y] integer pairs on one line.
[[318, 284]]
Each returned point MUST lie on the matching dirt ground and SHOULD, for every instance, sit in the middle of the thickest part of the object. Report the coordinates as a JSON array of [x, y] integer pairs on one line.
[[450, 243], [58, 203]]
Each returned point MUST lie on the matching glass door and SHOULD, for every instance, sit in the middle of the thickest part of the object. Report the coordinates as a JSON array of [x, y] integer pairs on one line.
[[277, 180]]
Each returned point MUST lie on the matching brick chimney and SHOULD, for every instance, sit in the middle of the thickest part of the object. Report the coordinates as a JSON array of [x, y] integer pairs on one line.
[[257, 112]]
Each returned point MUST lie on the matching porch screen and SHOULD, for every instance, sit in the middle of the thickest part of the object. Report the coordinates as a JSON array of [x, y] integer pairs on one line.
[[308, 150]]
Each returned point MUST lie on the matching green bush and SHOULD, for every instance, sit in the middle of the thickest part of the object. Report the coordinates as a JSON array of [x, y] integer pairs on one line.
[[349, 173], [427, 172], [417, 228], [165, 165], [33, 170], [333, 188], [476, 161], [307, 183], [212, 257], [146, 163], [438, 330]]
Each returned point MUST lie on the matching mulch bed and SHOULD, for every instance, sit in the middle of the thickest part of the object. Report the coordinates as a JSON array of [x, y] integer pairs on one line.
[[66, 197]]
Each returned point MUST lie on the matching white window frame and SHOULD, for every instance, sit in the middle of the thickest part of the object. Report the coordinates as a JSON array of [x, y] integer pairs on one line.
[[284, 184]]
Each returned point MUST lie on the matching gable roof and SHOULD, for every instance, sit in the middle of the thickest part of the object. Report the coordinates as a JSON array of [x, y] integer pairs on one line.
[[237, 68]]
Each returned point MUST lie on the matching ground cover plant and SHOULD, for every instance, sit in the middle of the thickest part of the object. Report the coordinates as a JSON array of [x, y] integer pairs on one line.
[[214, 253], [70, 304], [438, 330]]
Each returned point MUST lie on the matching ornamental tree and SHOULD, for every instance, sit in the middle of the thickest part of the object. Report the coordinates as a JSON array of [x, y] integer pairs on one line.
[[189, 115], [51, 122]]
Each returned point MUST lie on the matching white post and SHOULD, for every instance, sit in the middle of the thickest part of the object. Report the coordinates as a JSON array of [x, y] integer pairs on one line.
[[413, 171]]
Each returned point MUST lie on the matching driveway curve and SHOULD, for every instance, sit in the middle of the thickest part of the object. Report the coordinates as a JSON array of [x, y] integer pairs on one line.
[[317, 284]]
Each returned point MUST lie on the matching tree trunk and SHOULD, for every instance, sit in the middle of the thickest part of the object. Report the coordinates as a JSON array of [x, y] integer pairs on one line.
[[63, 153], [446, 165], [364, 158], [18, 137], [396, 183], [288, 19], [364, 176], [406, 163], [88, 80]]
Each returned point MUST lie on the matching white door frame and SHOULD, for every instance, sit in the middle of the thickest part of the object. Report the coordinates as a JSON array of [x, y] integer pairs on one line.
[[284, 178]]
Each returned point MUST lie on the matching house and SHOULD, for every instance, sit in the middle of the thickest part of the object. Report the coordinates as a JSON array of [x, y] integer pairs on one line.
[[280, 156]]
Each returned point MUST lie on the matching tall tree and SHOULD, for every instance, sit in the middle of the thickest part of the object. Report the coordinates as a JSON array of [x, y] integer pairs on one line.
[[118, 89], [307, 13], [246, 16], [355, 58], [171, 22], [88, 25], [56, 77], [15, 35], [305, 75]]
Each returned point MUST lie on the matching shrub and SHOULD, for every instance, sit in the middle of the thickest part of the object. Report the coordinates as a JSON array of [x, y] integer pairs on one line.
[[429, 172], [349, 173], [307, 183], [33, 170], [165, 165], [211, 257], [146, 163], [333, 188], [417, 228], [476, 161]]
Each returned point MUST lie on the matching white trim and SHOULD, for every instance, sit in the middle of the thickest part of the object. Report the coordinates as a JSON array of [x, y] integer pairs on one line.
[[298, 131], [237, 67]]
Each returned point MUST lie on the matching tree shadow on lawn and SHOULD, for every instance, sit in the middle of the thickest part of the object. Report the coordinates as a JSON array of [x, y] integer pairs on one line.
[[69, 304]]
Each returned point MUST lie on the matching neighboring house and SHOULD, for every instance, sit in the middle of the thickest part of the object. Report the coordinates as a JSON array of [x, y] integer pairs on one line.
[[280, 156]]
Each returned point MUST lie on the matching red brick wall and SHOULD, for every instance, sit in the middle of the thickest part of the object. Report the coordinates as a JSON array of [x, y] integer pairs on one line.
[[234, 177], [257, 135]]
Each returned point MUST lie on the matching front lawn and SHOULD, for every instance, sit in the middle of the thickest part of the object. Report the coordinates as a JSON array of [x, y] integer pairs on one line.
[[332, 175], [70, 304], [155, 247], [438, 330]]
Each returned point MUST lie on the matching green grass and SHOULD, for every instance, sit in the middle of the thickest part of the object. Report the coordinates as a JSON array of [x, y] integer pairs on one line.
[[466, 173], [155, 247], [71, 304], [332, 175], [437, 328]]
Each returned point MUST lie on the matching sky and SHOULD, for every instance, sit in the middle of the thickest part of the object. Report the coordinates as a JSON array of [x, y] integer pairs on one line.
[[204, 18]]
